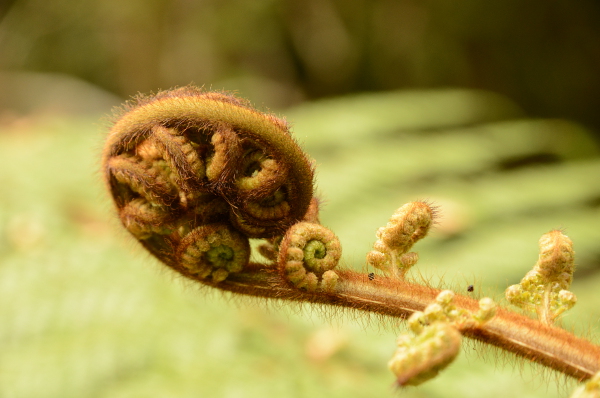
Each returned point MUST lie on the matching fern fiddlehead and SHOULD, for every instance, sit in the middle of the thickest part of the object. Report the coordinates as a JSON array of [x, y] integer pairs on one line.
[[187, 166], [195, 175]]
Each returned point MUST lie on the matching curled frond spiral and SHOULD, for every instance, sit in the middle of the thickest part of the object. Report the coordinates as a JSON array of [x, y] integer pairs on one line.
[[214, 249], [186, 166], [307, 256]]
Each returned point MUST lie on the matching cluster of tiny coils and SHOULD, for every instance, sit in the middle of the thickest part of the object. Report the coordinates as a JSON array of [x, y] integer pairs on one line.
[[195, 175], [436, 337]]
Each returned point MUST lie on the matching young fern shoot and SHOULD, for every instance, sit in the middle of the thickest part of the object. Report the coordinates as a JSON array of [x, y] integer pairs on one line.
[[409, 224], [544, 288], [195, 175], [437, 338]]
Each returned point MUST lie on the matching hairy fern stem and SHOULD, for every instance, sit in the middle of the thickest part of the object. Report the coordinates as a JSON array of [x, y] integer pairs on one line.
[[546, 345]]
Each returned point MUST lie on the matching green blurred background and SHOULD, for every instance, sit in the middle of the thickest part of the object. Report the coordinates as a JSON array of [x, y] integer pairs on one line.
[[487, 108]]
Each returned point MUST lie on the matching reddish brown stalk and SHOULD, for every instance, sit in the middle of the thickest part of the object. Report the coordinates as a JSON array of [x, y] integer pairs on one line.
[[546, 345]]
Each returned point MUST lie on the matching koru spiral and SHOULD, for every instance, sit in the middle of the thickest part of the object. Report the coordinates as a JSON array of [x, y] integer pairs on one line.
[[194, 175]]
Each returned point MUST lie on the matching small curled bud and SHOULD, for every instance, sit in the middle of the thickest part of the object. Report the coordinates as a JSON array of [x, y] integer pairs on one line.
[[258, 170], [514, 294], [544, 288], [423, 356], [180, 156], [307, 256], [443, 310], [226, 145], [437, 338], [435, 312], [329, 281], [143, 219], [408, 224], [417, 321], [407, 260], [272, 207], [214, 249], [567, 297], [133, 177], [564, 302], [445, 297], [487, 310], [557, 259], [377, 259]]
